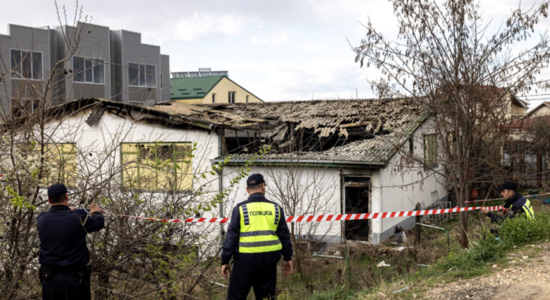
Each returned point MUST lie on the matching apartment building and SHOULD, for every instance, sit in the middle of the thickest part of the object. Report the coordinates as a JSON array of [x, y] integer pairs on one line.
[[83, 61]]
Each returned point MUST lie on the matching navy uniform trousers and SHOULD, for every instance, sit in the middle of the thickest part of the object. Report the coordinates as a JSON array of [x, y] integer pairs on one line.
[[262, 278], [65, 285]]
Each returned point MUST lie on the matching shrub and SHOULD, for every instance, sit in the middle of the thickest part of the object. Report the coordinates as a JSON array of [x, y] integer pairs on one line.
[[521, 230]]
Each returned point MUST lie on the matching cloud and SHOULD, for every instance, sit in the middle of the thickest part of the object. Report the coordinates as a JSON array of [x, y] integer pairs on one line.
[[203, 26], [275, 40]]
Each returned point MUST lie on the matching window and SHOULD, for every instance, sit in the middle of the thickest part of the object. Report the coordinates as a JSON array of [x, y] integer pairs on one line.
[[161, 80], [22, 107], [89, 70], [411, 146], [157, 166], [213, 98], [246, 98], [141, 75], [26, 64], [231, 97], [60, 164], [430, 150]]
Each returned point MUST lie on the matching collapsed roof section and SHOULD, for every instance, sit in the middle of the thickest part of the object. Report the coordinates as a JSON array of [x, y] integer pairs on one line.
[[357, 131]]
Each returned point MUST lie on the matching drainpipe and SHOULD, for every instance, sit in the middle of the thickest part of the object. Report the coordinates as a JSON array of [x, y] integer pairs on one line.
[[220, 186], [381, 206]]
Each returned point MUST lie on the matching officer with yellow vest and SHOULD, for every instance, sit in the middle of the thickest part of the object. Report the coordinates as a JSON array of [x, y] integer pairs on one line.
[[515, 204], [257, 237]]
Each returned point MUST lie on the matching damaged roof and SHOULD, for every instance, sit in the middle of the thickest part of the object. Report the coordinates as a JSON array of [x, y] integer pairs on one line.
[[383, 125], [355, 131]]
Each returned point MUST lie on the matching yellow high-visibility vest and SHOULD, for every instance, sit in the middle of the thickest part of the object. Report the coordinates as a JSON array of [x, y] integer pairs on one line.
[[259, 221], [528, 208]]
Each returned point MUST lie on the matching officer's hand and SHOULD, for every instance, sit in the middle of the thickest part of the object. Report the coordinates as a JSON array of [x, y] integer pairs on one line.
[[484, 211], [226, 270], [72, 208], [287, 267], [94, 207]]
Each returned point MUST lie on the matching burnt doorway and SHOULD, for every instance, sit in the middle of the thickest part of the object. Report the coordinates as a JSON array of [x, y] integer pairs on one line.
[[356, 201]]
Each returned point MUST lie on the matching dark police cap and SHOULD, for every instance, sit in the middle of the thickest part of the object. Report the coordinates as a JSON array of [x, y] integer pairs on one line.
[[508, 185], [57, 190], [255, 179]]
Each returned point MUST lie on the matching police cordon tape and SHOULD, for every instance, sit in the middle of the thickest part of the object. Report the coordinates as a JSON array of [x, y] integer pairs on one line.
[[502, 199], [330, 217]]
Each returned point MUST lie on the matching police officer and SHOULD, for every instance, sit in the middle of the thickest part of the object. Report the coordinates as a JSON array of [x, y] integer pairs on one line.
[[256, 238], [64, 273], [515, 203]]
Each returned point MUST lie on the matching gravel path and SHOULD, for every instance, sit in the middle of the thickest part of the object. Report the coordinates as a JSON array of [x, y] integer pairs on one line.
[[525, 276]]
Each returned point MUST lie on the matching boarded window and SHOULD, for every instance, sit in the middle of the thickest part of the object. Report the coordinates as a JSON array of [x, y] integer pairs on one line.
[[59, 164], [157, 166], [430, 150]]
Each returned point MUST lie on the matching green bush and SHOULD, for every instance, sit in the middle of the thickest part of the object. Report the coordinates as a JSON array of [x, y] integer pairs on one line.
[[521, 230], [512, 232], [479, 253]]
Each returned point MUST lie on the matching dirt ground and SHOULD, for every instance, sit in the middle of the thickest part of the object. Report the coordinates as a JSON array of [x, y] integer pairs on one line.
[[526, 275]]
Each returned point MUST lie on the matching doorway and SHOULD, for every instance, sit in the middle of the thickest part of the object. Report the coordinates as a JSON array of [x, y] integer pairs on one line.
[[356, 201]]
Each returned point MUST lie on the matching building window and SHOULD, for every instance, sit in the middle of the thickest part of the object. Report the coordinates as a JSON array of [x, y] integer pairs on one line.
[[157, 166], [213, 98], [141, 75], [430, 150], [161, 85], [231, 97], [89, 70], [59, 164], [26, 64], [21, 107], [411, 146], [246, 98]]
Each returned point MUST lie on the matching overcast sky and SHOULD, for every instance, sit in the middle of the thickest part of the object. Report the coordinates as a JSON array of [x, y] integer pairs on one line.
[[278, 50]]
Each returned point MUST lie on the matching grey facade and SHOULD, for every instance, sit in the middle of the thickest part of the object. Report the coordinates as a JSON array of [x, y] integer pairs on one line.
[[83, 61], [26, 50], [141, 71], [87, 47]]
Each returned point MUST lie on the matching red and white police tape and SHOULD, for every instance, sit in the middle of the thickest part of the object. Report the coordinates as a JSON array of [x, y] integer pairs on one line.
[[496, 199], [331, 217]]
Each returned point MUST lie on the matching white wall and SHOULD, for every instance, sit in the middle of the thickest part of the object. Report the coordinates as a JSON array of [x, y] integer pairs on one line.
[[316, 188], [402, 184], [104, 138]]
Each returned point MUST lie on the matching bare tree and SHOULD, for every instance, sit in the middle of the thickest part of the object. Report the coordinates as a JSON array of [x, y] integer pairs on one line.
[[448, 59], [303, 191]]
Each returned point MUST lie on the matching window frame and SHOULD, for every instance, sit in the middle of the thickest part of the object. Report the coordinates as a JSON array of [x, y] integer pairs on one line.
[[231, 99], [139, 75], [84, 72], [174, 153], [213, 97], [20, 75]]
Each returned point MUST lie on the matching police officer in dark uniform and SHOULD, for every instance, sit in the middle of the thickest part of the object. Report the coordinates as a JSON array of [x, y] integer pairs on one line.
[[515, 204], [64, 272], [257, 237]]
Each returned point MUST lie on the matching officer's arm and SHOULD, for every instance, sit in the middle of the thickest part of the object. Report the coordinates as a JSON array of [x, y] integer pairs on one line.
[[232, 236], [93, 222], [284, 235], [496, 219]]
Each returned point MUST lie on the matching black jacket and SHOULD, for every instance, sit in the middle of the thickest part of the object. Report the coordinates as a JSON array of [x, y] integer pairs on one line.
[[62, 235], [231, 244], [516, 201]]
